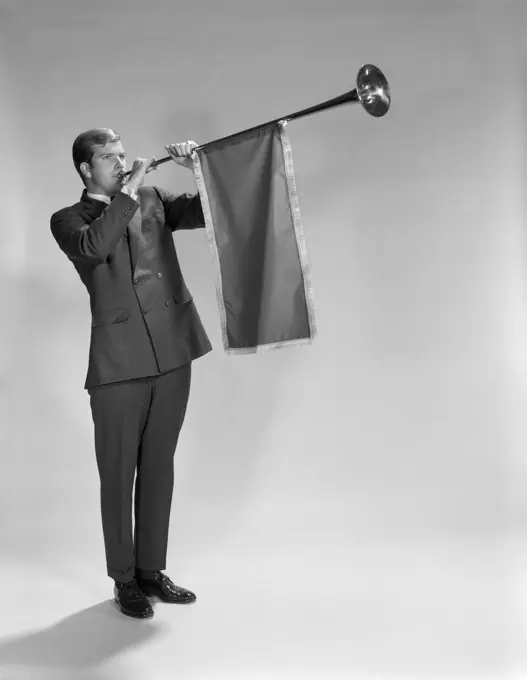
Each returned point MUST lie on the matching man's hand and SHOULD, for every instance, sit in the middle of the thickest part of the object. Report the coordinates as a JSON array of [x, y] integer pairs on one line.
[[182, 153], [140, 168]]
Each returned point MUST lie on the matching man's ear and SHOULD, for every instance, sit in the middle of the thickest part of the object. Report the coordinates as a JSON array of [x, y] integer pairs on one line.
[[85, 169]]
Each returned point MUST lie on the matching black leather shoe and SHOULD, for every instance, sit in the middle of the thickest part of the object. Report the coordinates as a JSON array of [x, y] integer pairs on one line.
[[132, 601], [162, 587]]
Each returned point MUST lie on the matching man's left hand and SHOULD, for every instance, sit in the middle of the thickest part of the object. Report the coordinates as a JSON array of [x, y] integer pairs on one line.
[[181, 153]]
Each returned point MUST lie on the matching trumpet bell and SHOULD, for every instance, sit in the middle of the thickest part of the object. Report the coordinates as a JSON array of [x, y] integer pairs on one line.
[[373, 91]]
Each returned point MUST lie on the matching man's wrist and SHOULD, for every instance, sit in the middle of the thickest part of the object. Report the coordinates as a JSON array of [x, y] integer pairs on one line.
[[127, 189]]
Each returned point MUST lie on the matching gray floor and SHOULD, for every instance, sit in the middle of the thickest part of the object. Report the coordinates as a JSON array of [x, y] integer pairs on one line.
[[276, 607], [390, 551]]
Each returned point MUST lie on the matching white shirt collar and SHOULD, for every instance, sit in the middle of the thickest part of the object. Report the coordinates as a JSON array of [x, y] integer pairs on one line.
[[100, 197]]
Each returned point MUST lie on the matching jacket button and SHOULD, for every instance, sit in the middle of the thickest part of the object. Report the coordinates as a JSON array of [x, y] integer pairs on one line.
[[168, 303], [123, 214], [145, 311], [136, 282], [160, 276]]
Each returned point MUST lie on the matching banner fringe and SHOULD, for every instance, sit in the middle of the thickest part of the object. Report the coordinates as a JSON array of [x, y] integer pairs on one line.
[[211, 238], [299, 230]]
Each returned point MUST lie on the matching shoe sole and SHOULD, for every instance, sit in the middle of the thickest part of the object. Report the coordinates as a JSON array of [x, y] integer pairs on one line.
[[149, 615], [154, 596]]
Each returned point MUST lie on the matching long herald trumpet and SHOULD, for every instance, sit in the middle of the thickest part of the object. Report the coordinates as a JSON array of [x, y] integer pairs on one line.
[[372, 92]]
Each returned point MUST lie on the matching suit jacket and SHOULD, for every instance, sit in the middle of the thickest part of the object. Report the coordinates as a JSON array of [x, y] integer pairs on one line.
[[144, 321]]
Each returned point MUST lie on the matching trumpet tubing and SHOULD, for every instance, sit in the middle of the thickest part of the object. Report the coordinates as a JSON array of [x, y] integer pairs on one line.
[[371, 91]]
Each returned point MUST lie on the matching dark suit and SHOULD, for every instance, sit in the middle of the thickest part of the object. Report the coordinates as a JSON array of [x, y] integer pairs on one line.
[[145, 332]]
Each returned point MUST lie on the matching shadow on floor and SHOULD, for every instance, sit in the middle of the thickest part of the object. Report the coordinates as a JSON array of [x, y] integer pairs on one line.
[[79, 646]]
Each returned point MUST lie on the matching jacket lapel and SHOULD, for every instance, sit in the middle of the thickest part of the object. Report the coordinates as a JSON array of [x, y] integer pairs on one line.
[[91, 206], [134, 236]]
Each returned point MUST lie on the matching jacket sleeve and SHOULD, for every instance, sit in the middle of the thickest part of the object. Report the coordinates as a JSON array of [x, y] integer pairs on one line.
[[93, 242], [183, 211]]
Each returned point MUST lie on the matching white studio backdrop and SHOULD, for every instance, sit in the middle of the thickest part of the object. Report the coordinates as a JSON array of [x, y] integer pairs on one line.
[[361, 500]]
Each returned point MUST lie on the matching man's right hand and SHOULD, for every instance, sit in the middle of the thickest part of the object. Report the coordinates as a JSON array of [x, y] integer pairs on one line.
[[140, 168]]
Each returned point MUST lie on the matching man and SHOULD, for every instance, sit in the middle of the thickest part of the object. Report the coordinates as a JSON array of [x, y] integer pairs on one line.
[[145, 333]]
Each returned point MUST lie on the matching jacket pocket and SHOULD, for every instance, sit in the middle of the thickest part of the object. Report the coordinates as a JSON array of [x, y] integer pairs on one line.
[[104, 317], [182, 297]]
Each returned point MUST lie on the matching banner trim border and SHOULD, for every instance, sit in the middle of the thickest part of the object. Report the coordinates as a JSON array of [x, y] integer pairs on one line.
[[305, 263], [211, 238]]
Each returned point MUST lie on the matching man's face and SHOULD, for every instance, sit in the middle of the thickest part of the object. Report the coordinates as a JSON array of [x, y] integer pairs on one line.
[[107, 163]]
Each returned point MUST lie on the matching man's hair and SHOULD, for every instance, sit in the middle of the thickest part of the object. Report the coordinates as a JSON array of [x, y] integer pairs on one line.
[[83, 146]]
